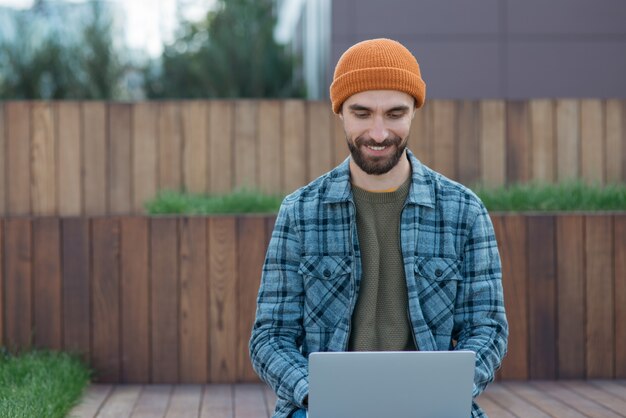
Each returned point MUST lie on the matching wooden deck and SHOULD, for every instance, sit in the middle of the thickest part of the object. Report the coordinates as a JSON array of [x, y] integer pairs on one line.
[[576, 399]]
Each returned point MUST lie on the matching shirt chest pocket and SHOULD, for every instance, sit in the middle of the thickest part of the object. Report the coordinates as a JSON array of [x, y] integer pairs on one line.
[[437, 280], [327, 286]]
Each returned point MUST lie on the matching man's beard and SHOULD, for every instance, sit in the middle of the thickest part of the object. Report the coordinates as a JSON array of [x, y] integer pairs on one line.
[[376, 165]]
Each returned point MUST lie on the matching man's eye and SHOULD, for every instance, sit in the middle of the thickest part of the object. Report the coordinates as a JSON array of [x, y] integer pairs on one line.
[[361, 115], [396, 115]]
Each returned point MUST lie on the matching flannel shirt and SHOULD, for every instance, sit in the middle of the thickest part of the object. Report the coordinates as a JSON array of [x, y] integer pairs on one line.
[[312, 273]]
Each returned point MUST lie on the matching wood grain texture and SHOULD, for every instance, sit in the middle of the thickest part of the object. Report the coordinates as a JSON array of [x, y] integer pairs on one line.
[[543, 141], [193, 300], [153, 401], [3, 164], [619, 251], [194, 138], [105, 352], [599, 291], [246, 153], [17, 120], [468, 139], [421, 136], [134, 302], [223, 309], [94, 397], [567, 139], [251, 241], [95, 157], [76, 286], [144, 154], [249, 402], [185, 401], [493, 143], [518, 167], [319, 139], [18, 283], [592, 139], [615, 140], [164, 297], [445, 159], [70, 159], [542, 297], [512, 241], [217, 401], [120, 402], [120, 158], [570, 296], [294, 145], [170, 146], [47, 283], [270, 146], [43, 159], [221, 149]]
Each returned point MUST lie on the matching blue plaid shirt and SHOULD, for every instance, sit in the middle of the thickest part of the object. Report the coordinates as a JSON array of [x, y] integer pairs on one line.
[[312, 273]]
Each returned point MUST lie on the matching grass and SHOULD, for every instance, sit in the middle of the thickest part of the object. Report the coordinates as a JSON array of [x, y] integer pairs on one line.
[[532, 197], [40, 384]]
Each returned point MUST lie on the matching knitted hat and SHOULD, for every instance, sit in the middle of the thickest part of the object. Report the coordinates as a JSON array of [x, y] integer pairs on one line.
[[376, 64]]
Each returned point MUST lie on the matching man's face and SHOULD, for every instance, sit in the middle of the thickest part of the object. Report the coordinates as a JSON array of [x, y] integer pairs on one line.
[[377, 124]]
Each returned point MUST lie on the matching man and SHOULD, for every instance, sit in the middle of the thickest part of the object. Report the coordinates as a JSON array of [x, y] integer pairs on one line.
[[381, 253]]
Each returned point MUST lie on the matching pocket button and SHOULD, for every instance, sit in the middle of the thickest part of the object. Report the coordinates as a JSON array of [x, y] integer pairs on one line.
[[438, 272], [326, 273]]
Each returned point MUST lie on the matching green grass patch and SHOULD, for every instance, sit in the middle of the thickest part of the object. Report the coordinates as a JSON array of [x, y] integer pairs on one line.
[[239, 201], [568, 196], [40, 384]]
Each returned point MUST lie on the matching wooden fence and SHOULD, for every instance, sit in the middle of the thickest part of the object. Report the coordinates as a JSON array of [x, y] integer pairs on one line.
[[94, 158], [172, 299]]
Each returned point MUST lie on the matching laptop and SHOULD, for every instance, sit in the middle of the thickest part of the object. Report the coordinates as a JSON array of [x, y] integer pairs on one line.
[[406, 384]]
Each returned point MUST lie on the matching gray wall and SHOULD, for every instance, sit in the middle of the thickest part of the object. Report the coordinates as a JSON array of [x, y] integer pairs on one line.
[[510, 49]]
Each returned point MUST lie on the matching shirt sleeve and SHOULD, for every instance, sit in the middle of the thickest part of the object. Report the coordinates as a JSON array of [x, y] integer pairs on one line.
[[480, 322], [278, 330]]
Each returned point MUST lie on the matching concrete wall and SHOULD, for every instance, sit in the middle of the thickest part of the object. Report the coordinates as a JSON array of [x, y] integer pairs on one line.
[[510, 49]]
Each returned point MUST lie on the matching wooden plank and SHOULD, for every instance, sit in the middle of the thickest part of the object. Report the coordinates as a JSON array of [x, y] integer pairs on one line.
[[512, 241], [69, 158], [43, 159], [134, 275], [18, 283], [468, 126], [444, 131], [153, 401], [543, 158], [120, 402], [217, 402], [493, 143], [270, 399], [619, 251], [548, 404], [251, 241], [614, 387], [76, 286], [542, 297], [47, 283], [223, 309], [421, 135], [593, 146], [340, 148], [599, 292], [518, 142], [3, 164], [120, 159], [319, 139], [615, 140], [606, 399], [246, 163], [95, 396], [294, 145], [95, 158], [170, 147], [270, 146], [514, 403], [567, 139], [491, 406], [164, 300], [570, 296], [581, 404], [194, 138], [221, 148], [17, 120], [249, 401], [193, 300], [185, 401], [144, 151], [106, 303]]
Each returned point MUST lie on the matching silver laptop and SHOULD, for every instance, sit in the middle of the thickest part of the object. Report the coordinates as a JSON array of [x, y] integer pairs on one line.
[[406, 384]]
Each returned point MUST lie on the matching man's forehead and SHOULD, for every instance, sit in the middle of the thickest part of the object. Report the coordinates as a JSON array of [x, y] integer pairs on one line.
[[379, 98]]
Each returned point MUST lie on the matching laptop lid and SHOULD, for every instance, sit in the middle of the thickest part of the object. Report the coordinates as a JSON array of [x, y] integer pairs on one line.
[[407, 384]]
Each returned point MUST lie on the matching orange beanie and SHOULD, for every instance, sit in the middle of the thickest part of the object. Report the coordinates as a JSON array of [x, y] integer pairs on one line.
[[377, 64]]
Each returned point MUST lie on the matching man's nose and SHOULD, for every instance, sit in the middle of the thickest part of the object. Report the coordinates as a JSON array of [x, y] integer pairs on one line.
[[378, 131]]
